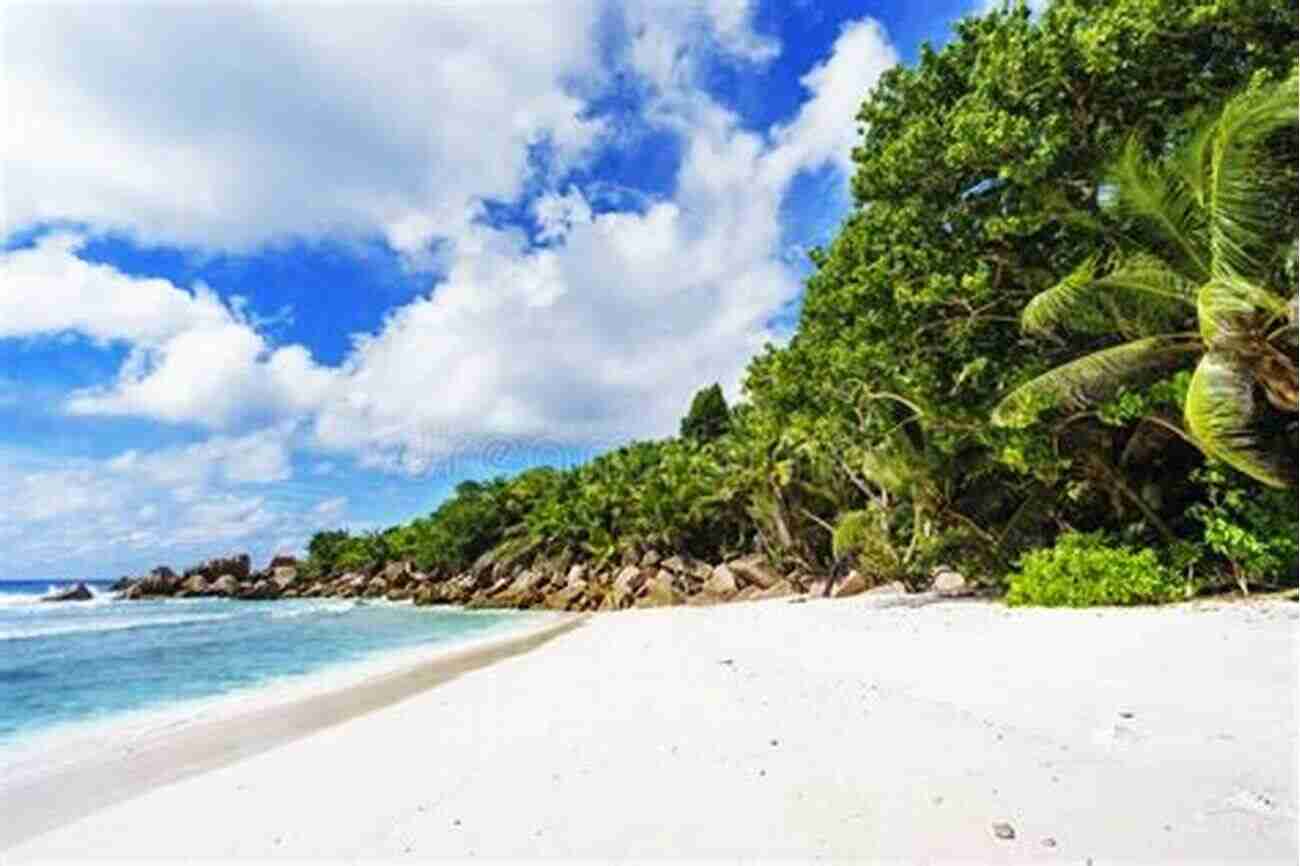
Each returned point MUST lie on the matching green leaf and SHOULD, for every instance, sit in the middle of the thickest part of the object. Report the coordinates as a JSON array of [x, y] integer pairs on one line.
[[1093, 377], [1050, 307], [1144, 188], [1222, 413], [1227, 305], [1242, 211], [1143, 288]]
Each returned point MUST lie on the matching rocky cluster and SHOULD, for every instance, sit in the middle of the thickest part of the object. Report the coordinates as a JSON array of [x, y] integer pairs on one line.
[[651, 580]]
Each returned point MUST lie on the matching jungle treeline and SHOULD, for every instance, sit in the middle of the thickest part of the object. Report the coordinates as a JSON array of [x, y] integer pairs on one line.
[[1053, 339]]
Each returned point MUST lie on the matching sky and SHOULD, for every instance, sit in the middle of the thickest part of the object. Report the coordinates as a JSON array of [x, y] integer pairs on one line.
[[269, 269]]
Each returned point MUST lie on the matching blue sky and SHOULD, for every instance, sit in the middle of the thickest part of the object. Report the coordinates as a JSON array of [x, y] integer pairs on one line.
[[273, 269]]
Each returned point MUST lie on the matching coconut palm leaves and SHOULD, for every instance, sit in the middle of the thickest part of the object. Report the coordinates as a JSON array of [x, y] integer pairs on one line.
[[1209, 212]]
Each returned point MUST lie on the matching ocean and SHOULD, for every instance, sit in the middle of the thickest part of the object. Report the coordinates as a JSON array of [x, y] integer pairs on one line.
[[75, 666]]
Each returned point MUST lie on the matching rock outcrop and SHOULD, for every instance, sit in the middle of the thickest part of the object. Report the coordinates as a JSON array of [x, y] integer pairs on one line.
[[852, 583], [284, 576], [226, 586], [195, 584], [754, 570], [80, 592], [240, 566], [950, 583], [640, 578], [721, 585]]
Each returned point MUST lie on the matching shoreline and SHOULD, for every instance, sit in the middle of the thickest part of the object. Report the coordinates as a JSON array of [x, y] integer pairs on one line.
[[194, 741], [29, 752], [840, 729]]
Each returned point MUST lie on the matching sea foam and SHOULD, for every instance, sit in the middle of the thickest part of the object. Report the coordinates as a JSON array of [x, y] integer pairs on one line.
[[27, 633]]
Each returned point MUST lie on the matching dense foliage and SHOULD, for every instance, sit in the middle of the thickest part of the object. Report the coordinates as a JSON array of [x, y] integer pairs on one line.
[[1208, 212], [708, 417], [1086, 569], [984, 178]]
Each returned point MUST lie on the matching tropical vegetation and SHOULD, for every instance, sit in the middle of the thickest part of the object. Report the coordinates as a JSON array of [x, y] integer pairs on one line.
[[1053, 344]]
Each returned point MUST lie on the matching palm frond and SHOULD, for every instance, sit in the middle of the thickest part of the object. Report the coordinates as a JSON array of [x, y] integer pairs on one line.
[[1223, 414], [1242, 211], [1166, 203], [1150, 276], [1141, 288], [1050, 307], [1093, 377], [1191, 162], [1228, 305]]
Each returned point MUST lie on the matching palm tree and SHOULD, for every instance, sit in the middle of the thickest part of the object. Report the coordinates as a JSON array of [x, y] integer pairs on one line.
[[1210, 211]]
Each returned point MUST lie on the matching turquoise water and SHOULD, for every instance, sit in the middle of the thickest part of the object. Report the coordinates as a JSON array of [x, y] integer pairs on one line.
[[72, 662]]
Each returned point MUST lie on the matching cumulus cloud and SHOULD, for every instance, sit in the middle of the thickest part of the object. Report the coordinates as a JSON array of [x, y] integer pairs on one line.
[[604, 335], [193, 358], [259, 457], [733, 22], [232, 128], [597, 336], [823, 130], [173, 503], [234, 125], [48, 290]]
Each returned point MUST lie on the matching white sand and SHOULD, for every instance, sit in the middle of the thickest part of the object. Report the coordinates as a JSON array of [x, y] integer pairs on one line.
[[836, 729]]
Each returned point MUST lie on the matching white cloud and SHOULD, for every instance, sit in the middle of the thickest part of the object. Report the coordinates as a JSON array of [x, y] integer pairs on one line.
[[230, 126], [192, 357], [331, 508], [259, 457], [221, 519], [605, 335], [601, 336], [824, 129], [733, 22], [556, 214], [669, 41], [174, 504], [49, 290]]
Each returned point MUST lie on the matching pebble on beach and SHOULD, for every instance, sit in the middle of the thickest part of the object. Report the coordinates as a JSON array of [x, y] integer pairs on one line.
[[1003, 830]]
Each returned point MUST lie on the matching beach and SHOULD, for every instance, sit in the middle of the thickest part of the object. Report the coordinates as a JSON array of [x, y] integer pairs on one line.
[[881, 727]]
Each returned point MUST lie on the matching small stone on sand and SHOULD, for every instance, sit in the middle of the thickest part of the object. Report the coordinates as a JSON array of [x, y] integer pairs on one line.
[[1003, 830]]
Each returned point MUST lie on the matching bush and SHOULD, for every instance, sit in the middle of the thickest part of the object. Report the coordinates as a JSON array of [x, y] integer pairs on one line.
[[1251, 528], [864, 535], [1084, 569]]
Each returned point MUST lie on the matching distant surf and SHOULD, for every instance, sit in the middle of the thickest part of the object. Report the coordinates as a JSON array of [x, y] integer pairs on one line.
[[77, 663]]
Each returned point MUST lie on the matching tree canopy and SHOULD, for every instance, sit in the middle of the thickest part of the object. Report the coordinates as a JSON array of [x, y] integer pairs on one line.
[[986, 198], [708, 417]]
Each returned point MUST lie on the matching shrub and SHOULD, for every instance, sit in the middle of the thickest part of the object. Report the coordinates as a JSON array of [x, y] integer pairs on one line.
[[864, 535], [1083, 570], [1253, 529]]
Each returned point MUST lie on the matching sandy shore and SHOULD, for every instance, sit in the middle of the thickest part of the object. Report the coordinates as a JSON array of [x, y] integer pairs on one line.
[[828, 729]]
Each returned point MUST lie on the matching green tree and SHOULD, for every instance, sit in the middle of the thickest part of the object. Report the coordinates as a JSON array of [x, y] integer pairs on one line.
[[1211, 213], [708, 417], [324, 550], [973, 166]]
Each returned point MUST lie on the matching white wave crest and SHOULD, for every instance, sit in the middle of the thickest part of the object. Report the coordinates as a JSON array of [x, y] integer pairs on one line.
[[332, 608], [35, 631], [18, 600], [25, 599]]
